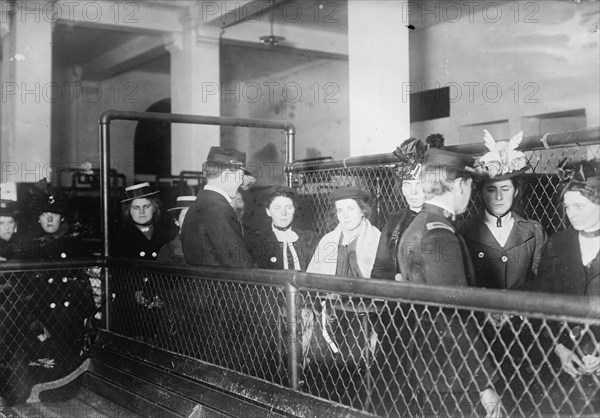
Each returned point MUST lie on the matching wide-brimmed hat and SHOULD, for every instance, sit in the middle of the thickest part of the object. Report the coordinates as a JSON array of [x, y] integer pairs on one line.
[[349, 193], [138, 191], [183, 202], [503, 161], [45, 198]]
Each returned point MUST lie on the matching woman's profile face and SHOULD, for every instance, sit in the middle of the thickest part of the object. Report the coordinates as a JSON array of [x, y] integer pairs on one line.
[[498, 196], [50, 222], [281, 211], [413, 193], [349, 214], [581, 211], [141, 210]]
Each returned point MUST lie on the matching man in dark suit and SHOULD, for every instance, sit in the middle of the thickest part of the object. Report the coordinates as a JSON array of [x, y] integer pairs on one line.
[[211, 234], [432, 252]]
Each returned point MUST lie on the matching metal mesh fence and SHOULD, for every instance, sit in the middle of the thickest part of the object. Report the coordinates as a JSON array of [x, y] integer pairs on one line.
[[388, 355], [47, 317], [538, 200]]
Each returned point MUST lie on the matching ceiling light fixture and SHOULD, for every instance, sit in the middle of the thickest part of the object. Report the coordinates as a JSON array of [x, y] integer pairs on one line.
[[271, 39]]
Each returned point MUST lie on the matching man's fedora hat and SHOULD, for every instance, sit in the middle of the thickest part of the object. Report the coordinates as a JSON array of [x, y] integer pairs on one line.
[[138, 191]]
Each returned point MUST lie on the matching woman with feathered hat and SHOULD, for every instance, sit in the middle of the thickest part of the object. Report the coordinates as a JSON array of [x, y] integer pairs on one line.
[[505, 247]]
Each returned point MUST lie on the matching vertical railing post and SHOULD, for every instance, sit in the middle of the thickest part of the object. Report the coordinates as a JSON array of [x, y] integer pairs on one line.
[[290, 153], [292, 334], [104, 132]]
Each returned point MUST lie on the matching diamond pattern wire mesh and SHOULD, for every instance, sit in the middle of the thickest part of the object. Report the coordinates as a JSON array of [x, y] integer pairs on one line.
[[46, 326], [233, 325], [539, 198]]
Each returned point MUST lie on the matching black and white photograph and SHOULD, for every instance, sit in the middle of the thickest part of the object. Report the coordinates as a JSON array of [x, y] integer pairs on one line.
[[299, 208]]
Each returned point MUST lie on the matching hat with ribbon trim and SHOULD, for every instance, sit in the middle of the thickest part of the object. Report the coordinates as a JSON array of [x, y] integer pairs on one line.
[[138, 191], [502, 161], [583, 177]]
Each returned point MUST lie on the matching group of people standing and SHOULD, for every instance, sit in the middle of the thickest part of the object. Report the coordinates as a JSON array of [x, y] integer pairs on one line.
[[499, 249]]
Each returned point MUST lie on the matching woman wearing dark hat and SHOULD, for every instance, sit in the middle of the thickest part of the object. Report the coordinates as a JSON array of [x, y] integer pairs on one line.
[[54, 239], [278, 245], [143, 234], [349, 250], [9, 239], [172, 252], [570, 265], [505, 247], [410, 153], [58, 307]]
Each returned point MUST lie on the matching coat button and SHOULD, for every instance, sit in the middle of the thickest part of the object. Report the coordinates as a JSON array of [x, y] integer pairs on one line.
[[504, 259], [273, 259], [50, 280], [53, 305], [64, 279], [480, 255], [67, 303], [63, 255], [154, 255], [142, 253]]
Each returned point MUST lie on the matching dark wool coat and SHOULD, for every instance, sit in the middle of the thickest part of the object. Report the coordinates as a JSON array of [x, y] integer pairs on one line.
[[133, 244], [561, 269], [268, 252], [211, 234], [505, 267], [171, 252], [432, 252], [386, 265]]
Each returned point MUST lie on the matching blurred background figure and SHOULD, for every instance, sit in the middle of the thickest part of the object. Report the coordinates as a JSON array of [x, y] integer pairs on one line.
[[9, 211], [279, 245], [172, 252], [143, 232]]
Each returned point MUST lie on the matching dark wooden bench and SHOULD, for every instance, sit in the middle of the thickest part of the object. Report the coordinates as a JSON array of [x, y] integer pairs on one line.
[[156, 383]]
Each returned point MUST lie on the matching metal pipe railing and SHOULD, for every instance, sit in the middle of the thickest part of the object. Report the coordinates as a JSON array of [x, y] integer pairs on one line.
[[104, 138], [465, 297], [530, 143]]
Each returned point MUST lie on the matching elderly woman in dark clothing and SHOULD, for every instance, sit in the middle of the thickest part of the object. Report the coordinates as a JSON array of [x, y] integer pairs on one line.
[[278, 245], [410, 154]]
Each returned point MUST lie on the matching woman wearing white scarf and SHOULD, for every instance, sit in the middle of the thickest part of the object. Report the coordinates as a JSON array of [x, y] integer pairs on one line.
[[278, 245], [349, 250]]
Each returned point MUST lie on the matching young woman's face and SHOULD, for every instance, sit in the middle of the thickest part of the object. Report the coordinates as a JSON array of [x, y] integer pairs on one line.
[[281, 211], [349, 214], [50, 222], [141, 210], [413, 193], [498, 196], [7, 227], [582, 212]]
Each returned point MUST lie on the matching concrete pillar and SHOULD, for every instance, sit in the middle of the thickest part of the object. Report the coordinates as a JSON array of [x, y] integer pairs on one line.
[[195, 89], [27, 93], [378, 69]]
